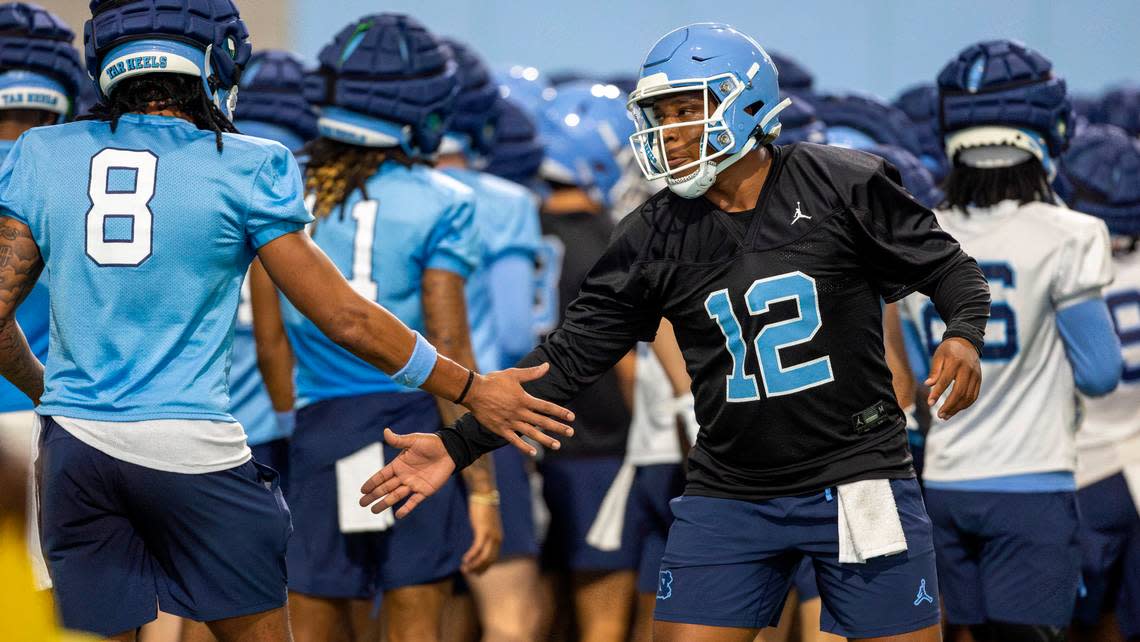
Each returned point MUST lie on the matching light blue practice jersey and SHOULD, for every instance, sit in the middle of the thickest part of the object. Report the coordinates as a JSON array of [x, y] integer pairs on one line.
[[417, 219], [147, 234], [32, 316], [249, 400], [506, 216]]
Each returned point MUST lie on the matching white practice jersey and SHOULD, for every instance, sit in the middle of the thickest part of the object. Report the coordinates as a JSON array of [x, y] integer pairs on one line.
[[1038, 259], [1111, 423], [653, 435]]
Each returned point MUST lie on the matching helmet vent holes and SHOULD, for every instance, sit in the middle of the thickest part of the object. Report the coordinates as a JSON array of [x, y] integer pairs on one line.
[[754, 107]]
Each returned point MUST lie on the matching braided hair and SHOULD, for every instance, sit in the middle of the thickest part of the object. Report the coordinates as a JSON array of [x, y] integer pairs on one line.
[[1025, 182], [155, 92], [335, 170]]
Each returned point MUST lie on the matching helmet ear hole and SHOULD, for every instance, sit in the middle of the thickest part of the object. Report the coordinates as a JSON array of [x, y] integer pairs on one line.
[[754, 107]]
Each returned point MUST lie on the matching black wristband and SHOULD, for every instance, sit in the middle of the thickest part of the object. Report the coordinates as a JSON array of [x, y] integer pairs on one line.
[[466, 388]]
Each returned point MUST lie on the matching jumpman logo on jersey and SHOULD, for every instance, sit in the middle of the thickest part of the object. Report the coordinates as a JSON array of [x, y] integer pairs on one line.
[[798, 215], [923, 596]]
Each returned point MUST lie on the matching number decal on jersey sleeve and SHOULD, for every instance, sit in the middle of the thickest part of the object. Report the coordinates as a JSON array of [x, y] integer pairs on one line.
[[364, 213], [1125, 309], [1001, 329], [778, 380], [120, 222], [548, 274]]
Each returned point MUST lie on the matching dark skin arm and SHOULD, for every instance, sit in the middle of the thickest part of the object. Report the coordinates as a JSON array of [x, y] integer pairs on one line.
[[445, 320], [20, 267], [902, 379], [274, 355], [316, 287]]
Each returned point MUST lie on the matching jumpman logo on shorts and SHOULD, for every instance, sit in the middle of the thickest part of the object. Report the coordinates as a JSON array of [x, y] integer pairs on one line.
[[922, 596]]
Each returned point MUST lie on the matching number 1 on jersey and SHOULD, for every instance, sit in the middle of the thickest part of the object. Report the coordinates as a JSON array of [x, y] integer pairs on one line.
[[364, 213], [773, 337]]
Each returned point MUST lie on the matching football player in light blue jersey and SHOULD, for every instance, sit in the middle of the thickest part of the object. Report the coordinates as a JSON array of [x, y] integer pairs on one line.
[[146, 484], [273, 106], [38, 87], [500, 299], [405, 236]]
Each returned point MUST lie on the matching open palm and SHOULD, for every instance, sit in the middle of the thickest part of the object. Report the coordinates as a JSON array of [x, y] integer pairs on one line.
[[422, 468]]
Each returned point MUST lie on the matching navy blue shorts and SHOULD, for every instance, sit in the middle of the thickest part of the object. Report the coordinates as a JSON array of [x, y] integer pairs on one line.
[[648, 512], [574, 488], [274, 454], [123, 540], [1110, 541], [804, 581], [423, 548], [730, 563], [517, 504], [1007, 557]]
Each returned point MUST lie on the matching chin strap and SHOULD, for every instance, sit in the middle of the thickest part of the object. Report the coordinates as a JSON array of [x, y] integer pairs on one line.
[[700, 181]]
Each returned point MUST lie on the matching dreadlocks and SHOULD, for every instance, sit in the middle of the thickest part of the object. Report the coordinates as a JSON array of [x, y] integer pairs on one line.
[[335, 170], [1025, 182], [156, 92]]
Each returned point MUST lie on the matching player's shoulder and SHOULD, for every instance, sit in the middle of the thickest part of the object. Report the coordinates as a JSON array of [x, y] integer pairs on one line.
[[503, 190], [837, 164], [1062, 221], [254, 148], [427, 189]]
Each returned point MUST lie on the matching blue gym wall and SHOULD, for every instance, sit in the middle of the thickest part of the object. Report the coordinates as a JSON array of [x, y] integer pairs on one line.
[[874, 45]]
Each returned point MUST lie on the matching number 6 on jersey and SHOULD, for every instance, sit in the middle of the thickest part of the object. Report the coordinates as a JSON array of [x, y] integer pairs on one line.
[[777, 379], [119, 223]]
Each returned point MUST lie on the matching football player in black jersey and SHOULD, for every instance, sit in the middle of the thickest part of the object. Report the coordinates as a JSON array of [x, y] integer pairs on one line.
[[772, 263]]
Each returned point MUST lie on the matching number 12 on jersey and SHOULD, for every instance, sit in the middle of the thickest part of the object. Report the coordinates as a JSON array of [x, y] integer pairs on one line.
[[777, 379]]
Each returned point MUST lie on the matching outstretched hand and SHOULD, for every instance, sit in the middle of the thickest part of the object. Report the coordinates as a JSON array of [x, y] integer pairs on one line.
[[500, 404], [422, 468], [955, 361]]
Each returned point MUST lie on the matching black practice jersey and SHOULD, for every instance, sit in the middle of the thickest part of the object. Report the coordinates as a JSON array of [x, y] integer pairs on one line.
[[779, 320], [573, 243]]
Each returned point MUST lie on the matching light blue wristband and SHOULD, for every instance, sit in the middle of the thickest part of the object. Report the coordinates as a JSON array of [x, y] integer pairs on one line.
[[418, 368], [286, 421]]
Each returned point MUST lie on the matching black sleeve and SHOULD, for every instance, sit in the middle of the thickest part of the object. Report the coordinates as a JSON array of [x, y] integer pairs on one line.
[[906, 251], [962, 297], [898, 239], [615, 309]]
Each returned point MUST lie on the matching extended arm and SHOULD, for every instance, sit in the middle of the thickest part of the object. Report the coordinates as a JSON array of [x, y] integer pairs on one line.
[[20, 267], [314, 285]]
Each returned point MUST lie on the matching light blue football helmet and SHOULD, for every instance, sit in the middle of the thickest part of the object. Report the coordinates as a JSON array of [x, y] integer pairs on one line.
[[740, 85]]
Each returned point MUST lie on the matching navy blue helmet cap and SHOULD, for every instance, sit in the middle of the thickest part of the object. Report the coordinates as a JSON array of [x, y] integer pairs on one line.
[[213, 24], [1120, 106], [32, 39], [915, 177], [794, 77], [881, 122], [920, 104], [475, 108], [1100, 175], [1005, 83], [516, 153], [272, 91], [389, 67], [800, 123]]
